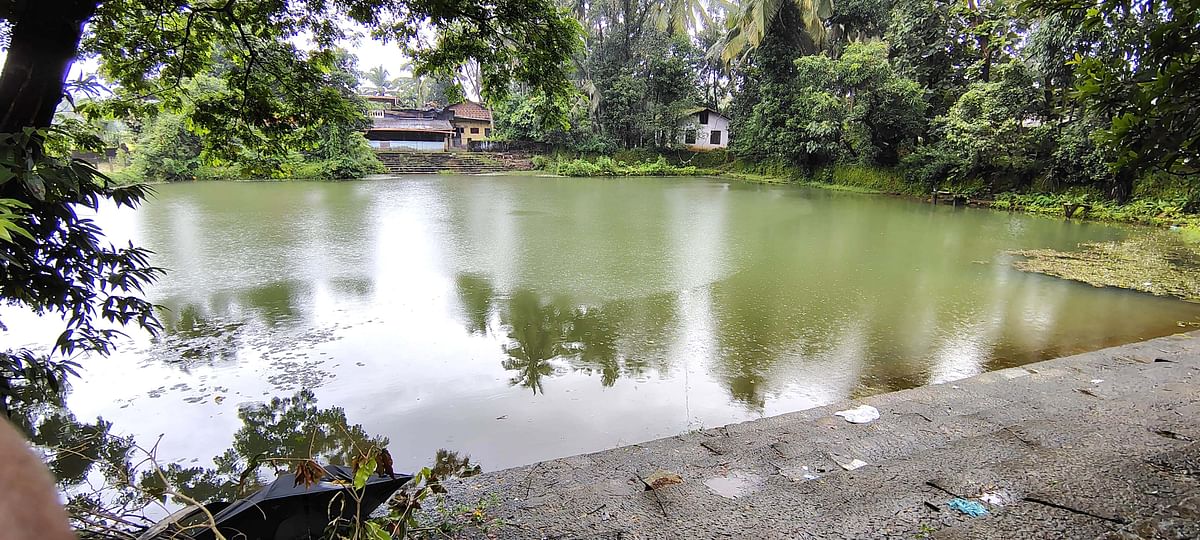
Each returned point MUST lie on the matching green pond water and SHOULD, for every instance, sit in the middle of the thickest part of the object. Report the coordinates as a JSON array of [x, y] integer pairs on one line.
[[518, 319]]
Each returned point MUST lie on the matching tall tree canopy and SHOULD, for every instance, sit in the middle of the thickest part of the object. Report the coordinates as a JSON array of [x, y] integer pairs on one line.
[[55, 261]]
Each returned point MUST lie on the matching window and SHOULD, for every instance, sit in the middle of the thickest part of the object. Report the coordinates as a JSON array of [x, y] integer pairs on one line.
[[714, 137], [689, 136], [474, 131], [459, 131], [703, 118], [487, 132]]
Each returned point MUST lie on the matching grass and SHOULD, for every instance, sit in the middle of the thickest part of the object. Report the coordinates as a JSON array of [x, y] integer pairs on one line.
[[1147, 211], [1158, 207], [606, 166]]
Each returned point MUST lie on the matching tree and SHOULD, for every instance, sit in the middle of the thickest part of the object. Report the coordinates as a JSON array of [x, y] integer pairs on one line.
[[166, 150], [834, 108], [754, 20], [378, 81], [1144, 78], [885, 112], [984, 134], [149, 50]]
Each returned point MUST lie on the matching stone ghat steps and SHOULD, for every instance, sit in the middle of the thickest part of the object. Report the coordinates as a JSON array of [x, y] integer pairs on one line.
[[1081, 435], [454, 162]]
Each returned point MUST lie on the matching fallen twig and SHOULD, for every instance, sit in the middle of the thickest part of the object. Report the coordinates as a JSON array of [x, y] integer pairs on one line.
[[1052, 504]]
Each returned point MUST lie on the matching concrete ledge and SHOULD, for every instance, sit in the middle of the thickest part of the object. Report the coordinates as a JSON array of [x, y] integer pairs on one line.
[[1094, 445]]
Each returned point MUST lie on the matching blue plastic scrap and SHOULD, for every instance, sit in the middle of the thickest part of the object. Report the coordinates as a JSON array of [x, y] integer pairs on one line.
[[970, 508]]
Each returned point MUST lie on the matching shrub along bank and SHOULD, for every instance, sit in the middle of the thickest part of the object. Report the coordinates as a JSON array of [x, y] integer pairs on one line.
[[607, 166]]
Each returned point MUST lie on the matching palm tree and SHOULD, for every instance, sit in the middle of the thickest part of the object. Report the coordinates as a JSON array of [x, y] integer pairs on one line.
[[684, 16], [378, 82], [417, 84], [753, 19]]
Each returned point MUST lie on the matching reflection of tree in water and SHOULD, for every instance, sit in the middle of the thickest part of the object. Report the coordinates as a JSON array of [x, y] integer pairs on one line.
[[475, 293], [542, 332], [292, 427], [192, 333], [538, 333], [450, 464], [197, 338], [276, 433]]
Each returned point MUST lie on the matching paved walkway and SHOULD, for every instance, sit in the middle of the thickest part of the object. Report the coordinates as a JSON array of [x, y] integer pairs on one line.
[[1098, 445]]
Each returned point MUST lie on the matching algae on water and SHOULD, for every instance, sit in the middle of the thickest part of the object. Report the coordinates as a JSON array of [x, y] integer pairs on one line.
[[1162, 263]]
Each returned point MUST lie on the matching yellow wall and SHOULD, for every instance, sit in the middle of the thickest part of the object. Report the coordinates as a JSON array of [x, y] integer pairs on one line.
[[467, 124]]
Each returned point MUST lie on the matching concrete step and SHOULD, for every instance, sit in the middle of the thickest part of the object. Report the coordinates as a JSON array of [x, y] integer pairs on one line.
[[1086, 435]]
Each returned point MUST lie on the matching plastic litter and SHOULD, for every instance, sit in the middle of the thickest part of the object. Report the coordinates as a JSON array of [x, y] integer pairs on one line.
[[970, 508], [849, 464], [997, 498], [863, 414]]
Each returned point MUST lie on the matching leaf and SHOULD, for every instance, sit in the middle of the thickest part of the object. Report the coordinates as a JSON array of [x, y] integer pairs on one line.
[[309, 472], [384, 467], [37, 186], [364, 473], [375, 532]]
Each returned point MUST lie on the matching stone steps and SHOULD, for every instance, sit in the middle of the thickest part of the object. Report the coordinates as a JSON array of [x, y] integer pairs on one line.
[[454, 162], [1047, 431]]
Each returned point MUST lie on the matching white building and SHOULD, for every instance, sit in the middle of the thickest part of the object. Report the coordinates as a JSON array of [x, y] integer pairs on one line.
[[703, 128]]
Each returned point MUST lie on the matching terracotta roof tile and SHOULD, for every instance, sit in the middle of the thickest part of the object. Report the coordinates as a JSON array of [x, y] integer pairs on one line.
[[471, 111]]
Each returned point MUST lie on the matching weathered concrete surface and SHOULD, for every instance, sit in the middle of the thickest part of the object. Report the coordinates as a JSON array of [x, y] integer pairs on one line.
[[1098, 445]]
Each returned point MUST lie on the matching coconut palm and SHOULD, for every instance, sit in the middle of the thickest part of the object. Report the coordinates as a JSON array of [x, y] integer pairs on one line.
[[415, 87], [752, 19], [687, 16], [378, 82]]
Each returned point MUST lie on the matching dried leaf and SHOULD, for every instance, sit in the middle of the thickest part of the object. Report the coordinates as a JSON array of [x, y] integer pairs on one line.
[[309, 472], [383, 464]]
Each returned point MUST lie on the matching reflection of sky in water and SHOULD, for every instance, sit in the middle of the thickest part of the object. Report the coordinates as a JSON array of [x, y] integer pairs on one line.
[[519, 319]]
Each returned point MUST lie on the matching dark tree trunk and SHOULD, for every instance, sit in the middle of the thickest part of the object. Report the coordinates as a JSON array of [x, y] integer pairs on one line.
[[45, 40]]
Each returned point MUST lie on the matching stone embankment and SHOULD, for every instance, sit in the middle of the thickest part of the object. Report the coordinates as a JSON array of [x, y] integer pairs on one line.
[[404, 162], [1098, 445]]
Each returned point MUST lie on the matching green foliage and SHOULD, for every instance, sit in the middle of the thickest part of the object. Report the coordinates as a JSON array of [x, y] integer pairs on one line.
[[167, 150], [62, 267], [522, 117], [1149, 210], [754, 20], [986, 134], [606, 166], [869, 178], [854, 106], [644, 89], [1150, 101]]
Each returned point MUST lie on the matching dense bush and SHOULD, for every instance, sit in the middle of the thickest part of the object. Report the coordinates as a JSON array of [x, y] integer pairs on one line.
[[166, 150], [606, 166], [852, 108]]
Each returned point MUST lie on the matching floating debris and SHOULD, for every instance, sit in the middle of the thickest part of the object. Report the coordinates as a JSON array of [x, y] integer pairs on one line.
[[1162, 264]]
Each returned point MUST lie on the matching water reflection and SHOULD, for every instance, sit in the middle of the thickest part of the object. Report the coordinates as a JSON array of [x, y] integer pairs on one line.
[[623, 309], [103, 472], [476, 293], [547, 337]]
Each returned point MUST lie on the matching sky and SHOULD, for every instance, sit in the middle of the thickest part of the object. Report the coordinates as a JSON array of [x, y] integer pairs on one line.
[[370, 53]]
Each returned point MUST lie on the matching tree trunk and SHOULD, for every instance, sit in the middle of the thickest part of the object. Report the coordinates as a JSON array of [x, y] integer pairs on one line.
[[45, 40]]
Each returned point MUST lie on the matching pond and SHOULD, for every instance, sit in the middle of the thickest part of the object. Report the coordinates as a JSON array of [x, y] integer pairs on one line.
[[518, 319]]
